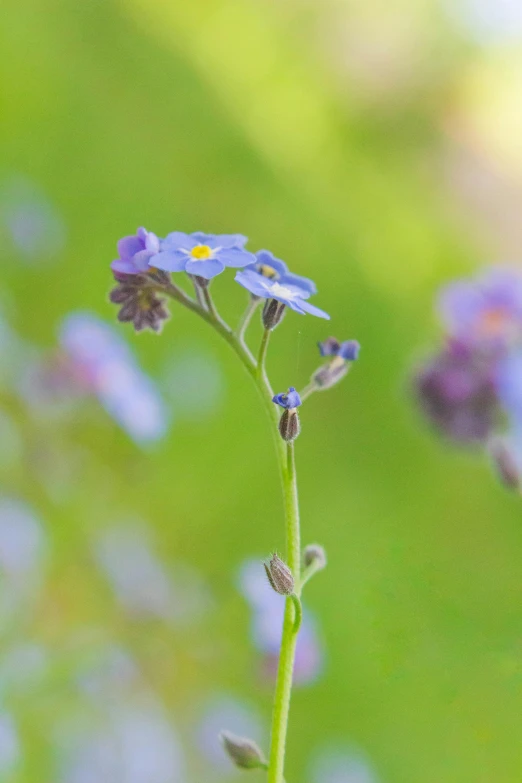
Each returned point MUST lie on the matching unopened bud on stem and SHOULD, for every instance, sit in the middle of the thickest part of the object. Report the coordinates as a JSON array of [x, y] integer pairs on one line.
[[505, 464], [279, 575], [273, 313], [314, 555], [245, 753]]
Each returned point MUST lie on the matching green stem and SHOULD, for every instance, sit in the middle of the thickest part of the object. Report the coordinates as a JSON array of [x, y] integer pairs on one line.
[[290, 626], [308, 390], [286, 459], [245, 319], [261, 372]]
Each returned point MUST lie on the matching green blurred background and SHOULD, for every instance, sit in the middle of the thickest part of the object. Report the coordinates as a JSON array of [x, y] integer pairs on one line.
[[376, 148]]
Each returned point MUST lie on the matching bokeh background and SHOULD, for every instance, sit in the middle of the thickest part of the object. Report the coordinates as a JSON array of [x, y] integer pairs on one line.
[[375, 147]]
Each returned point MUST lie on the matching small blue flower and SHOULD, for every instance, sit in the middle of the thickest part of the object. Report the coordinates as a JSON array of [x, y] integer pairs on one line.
[[349, 350], [267, 265], [288, 400], [290, 294], [203, 255]]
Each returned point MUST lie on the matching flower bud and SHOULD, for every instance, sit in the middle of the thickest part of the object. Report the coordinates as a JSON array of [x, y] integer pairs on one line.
[[273, 313], [331, 373], [289, 425], [243, 752], [279, 575], [315, 555], [505, 464], [139, 303]]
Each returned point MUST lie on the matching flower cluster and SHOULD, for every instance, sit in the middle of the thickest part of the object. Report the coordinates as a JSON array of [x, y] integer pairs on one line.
[[145, 262], [471, 389]]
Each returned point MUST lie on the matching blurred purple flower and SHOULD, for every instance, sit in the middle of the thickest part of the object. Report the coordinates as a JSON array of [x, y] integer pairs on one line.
[[142, 584], [134, 253], [487, 309], [10, 751], [32, 223], [267, 623], [105, 363], [456, 391], [202, 255], [348, 350]]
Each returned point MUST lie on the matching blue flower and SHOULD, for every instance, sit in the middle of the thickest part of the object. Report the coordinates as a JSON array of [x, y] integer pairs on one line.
[[288, 400], [203, 255], [267, 265], [349, 350], [134, 253], [289, 294]]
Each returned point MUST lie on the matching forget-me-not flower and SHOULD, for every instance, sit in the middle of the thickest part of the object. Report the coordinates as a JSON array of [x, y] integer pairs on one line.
[[267, 265], [202, 255], [291, 294], [348, 350], [135, 252], [288, 400]]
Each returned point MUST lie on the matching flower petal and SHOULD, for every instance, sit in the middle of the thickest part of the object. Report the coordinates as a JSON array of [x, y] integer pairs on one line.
[[225, 240], [207, 269], [267, 258], [128, 246], [235, 257], [309, 308], [177, 240], [141, 260], [304, 283], [253, 282], [123, 267], [169, 261]]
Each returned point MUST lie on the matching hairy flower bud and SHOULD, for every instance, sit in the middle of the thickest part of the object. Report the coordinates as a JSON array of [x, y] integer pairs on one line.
[[315, 555], [289, 425], [139, 303], [273, 313], [245, 753], [279, 575]]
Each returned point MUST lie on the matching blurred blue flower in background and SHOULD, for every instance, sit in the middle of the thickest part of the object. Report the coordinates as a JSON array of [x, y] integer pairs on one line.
[[225, 712], [348, 350], [29, 222], [110, 371], [202, 255], [268, 611], [486, 309], [335, 765]]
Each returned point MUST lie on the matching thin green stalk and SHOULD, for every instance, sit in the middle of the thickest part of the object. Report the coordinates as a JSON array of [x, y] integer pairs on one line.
[[245, 319], [262, 354], [286, 460], [308, 390], [290, 626]]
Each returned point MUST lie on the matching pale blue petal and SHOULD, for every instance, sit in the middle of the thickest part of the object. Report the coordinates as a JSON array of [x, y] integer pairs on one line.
[[235, 257], [207, 269], [169, 261]]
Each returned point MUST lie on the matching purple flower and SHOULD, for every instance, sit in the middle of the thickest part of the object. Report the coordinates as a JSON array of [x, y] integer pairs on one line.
[[110, 371], [202, 255], [456, 390], [267, 265], [288, 400], [349, 350], [291, 294], [487, 309], [135, 253]]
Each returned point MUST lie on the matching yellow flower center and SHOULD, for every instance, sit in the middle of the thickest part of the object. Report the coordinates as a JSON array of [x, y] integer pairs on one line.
[[267, 271], [201, 252]]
